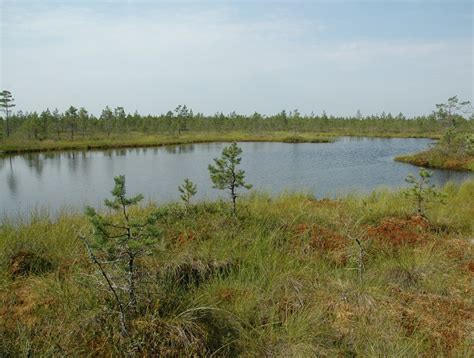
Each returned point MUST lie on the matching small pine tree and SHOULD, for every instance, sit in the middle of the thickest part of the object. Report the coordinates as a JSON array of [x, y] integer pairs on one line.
[[449, 115], [116, 243], [422, 191], [225, 175], [187, 190], [2, 130], [6, 104]]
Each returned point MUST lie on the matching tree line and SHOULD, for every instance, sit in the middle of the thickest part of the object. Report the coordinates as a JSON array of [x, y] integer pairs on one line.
[[80, 123]]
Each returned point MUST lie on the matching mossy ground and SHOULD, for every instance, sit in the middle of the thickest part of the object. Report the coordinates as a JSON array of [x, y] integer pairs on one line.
[[435, 158], [282, 280]]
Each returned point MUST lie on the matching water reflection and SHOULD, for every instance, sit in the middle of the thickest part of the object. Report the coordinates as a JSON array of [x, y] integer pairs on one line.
[[444, 176], [35, 162], [179, 149], [12, 184], [76, 178], [6, 167], [122, 152], [72, 161]]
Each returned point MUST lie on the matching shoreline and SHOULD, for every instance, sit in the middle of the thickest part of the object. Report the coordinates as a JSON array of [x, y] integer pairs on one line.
[[352, 267], [434, 160], [427, 159], [143, 141]]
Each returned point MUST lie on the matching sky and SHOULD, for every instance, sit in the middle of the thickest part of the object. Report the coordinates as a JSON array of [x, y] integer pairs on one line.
[[243, 56]]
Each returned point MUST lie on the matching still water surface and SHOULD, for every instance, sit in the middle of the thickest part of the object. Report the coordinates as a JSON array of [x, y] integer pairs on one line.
[[73, 179]]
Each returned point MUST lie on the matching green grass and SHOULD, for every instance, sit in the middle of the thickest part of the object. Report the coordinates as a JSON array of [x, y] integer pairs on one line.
[[435, 158], [19, 145], [143, 140], [290, 284]]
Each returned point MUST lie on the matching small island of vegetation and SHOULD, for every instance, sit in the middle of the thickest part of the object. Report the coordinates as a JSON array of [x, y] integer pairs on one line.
[[455, 149], [77, 129]]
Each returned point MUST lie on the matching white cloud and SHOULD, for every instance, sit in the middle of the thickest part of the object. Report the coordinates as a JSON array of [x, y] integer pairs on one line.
[[216, 60]]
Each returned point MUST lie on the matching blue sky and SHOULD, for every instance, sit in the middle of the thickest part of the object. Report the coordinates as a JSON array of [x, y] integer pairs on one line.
[[246, 56]]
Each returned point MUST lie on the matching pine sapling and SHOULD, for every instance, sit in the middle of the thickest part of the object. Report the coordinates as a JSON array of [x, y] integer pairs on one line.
[[422, 191], [116, 242], [226, 176], [352, 231], [188, 189]]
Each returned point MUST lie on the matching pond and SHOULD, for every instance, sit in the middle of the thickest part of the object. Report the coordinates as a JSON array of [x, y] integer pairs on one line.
[[72, 179]]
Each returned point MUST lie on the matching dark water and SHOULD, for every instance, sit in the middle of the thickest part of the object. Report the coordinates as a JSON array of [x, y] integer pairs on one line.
[[74, 179]]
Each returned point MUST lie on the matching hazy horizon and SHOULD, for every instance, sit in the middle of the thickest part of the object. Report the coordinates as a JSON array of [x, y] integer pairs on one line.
[[215, 56]]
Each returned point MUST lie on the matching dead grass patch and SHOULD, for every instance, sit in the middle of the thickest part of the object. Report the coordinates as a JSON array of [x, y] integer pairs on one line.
[[397, 231], [443, 319]]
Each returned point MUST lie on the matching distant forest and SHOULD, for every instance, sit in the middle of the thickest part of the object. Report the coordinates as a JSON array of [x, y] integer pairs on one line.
[[78, 122]]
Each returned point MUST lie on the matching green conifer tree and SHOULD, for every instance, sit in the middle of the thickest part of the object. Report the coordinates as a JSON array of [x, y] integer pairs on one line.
[[117, 241], [6, 104], [226, 176], [188, 189], [422, 191]]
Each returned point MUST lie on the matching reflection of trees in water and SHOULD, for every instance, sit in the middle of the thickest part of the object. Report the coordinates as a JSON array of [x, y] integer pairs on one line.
[[85, 163], [120, 152], [78, 160], [35, 162], [53, 159], [441, 177], [11, 179], [444, 176], [72, 161], [171, 149], [12, 183], [51, 155], [180, 149], [211, 147], [186, 148]]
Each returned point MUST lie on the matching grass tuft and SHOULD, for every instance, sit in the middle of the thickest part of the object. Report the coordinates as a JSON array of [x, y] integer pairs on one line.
[[284, 279]]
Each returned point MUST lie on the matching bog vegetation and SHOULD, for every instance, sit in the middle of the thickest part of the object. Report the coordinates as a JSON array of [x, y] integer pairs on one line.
[[77, 123], [455, 149], [52, 129], [76, 128], [386, 274]]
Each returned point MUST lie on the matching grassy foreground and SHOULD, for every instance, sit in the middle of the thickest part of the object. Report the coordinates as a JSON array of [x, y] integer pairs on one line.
[[18, 145], [282, 280], [434, 158]]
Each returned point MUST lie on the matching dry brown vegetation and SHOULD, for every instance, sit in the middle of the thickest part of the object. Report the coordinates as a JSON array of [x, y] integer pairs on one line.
[[435, 159], [281, 280]]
